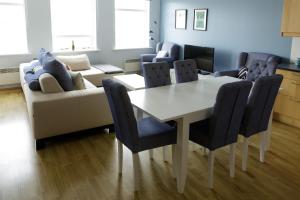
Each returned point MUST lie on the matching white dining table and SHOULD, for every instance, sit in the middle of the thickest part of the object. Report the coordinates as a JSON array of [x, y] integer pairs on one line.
[[185, 103]]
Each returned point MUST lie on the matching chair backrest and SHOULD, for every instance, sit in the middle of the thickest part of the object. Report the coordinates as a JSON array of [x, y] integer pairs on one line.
[[172, 49], [258, 64], [156, 74], [228, 113], [122, 112], [186, 71], [260, 105]]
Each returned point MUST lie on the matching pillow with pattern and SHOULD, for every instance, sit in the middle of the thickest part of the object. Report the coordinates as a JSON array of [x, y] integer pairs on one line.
[[243, 73]]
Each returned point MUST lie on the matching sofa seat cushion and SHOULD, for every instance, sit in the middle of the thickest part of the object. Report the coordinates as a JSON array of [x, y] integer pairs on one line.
[[93, 75], [109, 69]]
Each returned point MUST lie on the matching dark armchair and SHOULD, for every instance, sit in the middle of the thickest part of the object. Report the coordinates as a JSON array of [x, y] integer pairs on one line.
[[172, 54], [258, 65]]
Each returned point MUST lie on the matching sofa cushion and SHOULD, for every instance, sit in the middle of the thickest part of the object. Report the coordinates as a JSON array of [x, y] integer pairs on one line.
[[76, 63], [78, 82], [49, 84], [93, 75], [58, 70]]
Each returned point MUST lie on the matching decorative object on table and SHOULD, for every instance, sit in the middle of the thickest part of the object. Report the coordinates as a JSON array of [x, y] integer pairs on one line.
[[200, 19], [180, 19], [298, 62], [73, 45]]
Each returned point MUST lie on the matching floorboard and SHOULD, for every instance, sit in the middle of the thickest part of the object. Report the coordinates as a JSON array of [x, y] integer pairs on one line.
[[84, 166]]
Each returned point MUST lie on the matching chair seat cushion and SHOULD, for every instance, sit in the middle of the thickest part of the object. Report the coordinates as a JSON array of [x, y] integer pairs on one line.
[[199, 133], [153, 134]]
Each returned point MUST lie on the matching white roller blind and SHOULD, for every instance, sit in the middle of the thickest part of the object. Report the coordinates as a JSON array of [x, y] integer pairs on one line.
[[13, 34], [131, 24], [73, 22]]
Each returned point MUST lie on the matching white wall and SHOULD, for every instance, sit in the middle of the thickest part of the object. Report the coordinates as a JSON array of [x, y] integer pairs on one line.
[[295, 53], [39, 34]]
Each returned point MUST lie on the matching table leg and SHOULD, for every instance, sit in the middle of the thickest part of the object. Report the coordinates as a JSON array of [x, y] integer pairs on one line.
[[269, 133], [139, 114], [182, 153]]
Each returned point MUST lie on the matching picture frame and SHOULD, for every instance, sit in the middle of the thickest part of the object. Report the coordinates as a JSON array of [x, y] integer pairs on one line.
[[180, 19], [200, 19]]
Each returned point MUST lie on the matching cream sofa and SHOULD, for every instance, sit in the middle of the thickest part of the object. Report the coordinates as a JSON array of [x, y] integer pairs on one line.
[[62, 112]]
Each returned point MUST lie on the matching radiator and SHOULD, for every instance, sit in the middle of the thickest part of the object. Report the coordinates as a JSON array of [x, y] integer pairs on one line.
[[132, 66], [9, 77]]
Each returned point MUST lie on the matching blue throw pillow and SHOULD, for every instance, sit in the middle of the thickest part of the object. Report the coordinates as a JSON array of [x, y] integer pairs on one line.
[[56, 69], [33, 80]]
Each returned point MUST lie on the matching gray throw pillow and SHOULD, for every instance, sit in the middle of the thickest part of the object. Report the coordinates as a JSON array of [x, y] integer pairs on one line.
[[77, 79]]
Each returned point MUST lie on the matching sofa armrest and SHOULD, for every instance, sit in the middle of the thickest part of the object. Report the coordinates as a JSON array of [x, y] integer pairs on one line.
[[66, 112], [166, 59], [147, 57], [232, 73]]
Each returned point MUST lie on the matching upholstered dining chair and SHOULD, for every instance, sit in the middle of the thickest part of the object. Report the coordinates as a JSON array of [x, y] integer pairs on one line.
[[157, 75], [258, 112], [222, 128], [186, 71], [145, 134]]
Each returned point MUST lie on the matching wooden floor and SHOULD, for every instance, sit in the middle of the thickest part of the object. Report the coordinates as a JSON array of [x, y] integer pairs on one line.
[[84, 166]]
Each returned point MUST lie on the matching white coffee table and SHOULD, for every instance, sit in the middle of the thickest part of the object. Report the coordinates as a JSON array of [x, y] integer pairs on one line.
[[131, 81]]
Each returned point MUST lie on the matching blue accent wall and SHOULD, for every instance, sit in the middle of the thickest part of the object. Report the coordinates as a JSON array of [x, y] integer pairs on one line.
[[233, 26]]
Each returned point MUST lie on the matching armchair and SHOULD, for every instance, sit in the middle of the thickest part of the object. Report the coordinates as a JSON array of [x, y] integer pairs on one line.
[[172, 54], [258, 65]]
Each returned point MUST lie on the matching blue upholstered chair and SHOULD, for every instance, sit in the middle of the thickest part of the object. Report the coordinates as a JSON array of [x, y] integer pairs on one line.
[[136, 136], [257, 64], [222, 128], [185, 71], [258, 112], [171, 56], [157, 75]]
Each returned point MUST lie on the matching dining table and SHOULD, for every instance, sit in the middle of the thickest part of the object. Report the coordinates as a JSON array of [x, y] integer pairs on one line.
[[184, 103]]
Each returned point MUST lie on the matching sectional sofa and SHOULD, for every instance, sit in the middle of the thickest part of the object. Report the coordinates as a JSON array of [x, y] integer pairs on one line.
[[60, 112]]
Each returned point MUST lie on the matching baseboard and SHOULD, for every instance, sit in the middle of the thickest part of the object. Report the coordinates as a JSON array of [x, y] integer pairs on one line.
[[11, 86]]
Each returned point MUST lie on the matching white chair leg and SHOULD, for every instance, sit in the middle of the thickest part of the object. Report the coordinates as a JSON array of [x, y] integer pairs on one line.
[[174, 163], [211, 159], [232, 160], [165, 153], [263, 140], [120, 156], [245, 154], [135, 159], [151, 154]]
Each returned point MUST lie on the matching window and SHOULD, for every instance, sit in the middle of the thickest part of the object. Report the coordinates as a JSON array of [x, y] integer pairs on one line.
[[73, 25], [13, 35], [131, 24]]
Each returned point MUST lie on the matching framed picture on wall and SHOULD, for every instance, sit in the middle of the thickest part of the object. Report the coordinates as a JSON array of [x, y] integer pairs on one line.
[[180, 19], [200, 19]]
